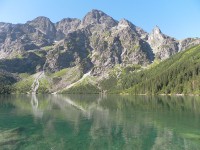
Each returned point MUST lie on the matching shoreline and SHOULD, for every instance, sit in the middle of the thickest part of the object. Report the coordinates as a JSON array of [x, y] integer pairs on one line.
[[103, 94]]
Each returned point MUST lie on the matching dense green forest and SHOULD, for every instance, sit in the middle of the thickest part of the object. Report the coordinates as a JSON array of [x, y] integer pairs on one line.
[[176, 75], [6, 82]]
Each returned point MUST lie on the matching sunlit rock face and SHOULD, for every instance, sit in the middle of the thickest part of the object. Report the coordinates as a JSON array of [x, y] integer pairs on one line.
[[187, 43], [96, 17], [162, 45], [65, 26], [44, 25], [97, 42]]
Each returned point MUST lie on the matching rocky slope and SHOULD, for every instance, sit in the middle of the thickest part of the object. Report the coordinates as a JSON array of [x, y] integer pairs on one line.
[[98, 43]]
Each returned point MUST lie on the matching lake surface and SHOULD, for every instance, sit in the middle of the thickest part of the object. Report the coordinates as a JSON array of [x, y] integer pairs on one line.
[[94, 122]]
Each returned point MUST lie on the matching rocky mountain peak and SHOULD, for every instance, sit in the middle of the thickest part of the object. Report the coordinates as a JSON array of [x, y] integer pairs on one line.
[[156, 34], [98, 17], [124, 22], [98, 40], [4, 27], [162, 45], [41, 19], [156, 30], [66, 26], [44, 25], [96, 11]]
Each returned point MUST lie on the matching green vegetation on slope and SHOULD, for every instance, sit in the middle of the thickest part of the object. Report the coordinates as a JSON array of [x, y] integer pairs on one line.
[[84, 86], [6, 81], [82, 89], [27, 63], [24, 85], [176, 75], [44, 85], [110, 84]]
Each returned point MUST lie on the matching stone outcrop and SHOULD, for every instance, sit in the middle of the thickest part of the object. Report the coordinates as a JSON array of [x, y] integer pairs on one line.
[[97, 43]]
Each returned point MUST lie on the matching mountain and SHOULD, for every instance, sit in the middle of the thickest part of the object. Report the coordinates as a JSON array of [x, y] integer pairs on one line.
[[177, 75], [66, 26], [69, 49], [162, 45]]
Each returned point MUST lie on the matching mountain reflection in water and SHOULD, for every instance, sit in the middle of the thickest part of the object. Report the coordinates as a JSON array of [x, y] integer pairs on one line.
[[99, 122]]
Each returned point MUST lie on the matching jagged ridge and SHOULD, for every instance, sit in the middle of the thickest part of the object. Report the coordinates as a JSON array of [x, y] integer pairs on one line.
[[98, 44]]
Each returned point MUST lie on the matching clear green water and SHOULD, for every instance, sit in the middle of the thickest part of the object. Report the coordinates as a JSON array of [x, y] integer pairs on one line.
[[92, 122]]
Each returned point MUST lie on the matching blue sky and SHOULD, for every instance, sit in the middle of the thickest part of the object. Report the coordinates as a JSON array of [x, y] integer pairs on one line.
[[177, 18]]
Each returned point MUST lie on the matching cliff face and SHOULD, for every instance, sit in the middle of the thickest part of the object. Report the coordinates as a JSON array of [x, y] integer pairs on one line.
[[96, 43], [162, 45]]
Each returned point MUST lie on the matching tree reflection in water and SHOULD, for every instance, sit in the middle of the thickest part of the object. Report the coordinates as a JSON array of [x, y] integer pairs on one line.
[[113, 122]]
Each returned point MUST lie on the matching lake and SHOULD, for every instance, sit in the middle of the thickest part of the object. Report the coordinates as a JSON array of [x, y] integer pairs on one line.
[[95, 122]]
